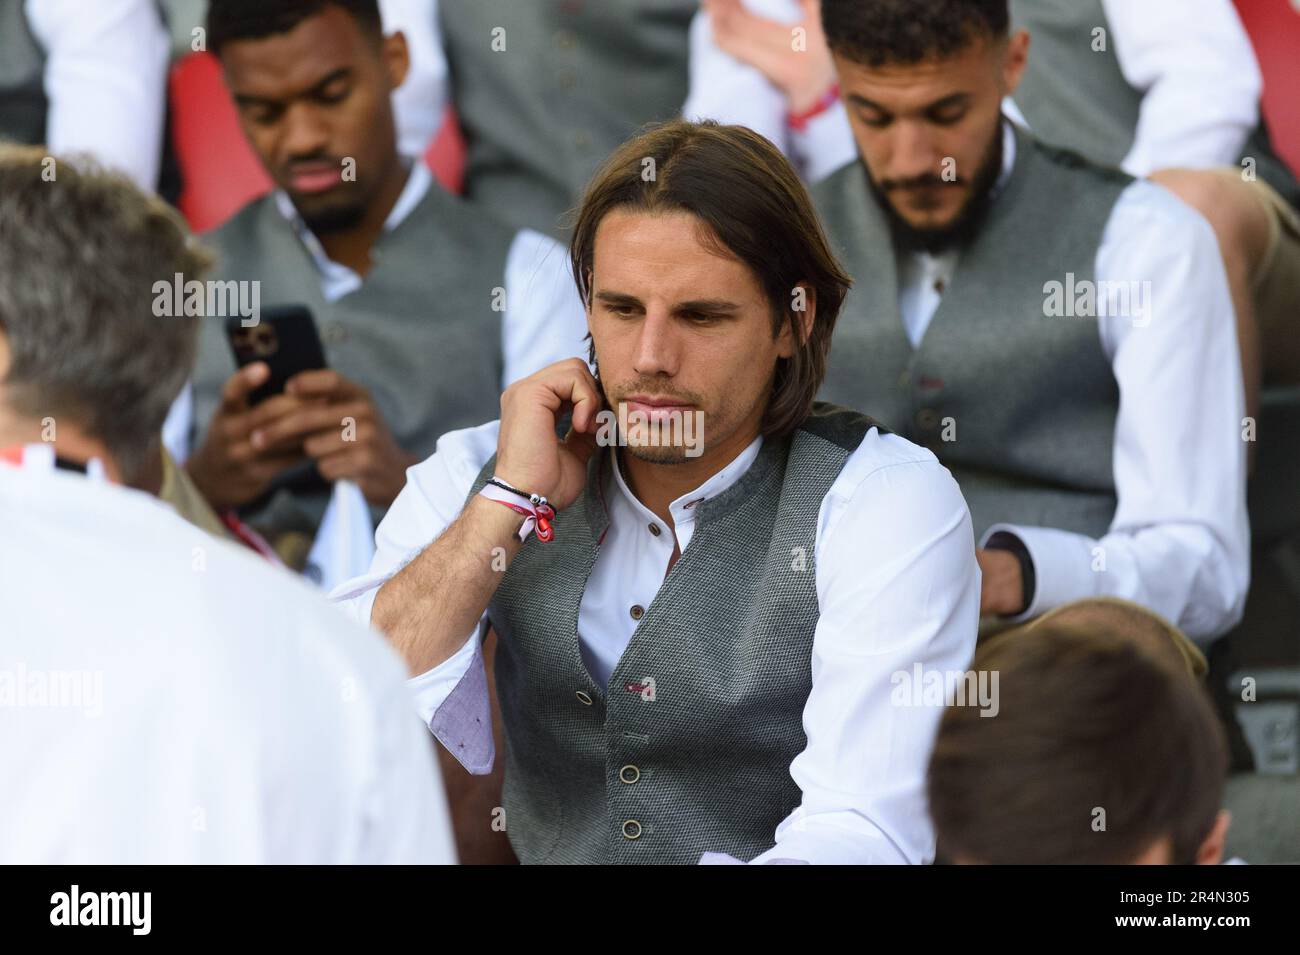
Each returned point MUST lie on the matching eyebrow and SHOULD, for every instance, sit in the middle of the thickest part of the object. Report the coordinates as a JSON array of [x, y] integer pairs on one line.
[[953, 99], [717, 306], [244, 99]]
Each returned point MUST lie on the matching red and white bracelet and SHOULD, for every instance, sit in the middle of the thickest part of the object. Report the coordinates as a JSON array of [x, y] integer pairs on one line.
[[534, 507]]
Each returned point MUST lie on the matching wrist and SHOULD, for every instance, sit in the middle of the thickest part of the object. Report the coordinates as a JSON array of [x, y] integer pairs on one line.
[[806, 106]]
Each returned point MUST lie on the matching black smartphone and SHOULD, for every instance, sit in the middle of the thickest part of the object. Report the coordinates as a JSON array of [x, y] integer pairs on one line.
[[285, 338]]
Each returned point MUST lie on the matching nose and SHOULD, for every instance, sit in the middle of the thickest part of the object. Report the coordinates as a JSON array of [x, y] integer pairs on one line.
[[306, 133], [658, 351], [914, 153]]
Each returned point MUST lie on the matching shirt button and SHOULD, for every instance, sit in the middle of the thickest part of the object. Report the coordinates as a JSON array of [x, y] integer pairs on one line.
[[637, 611], [629, 774], [631, 829], [584, 698], [654, 529]]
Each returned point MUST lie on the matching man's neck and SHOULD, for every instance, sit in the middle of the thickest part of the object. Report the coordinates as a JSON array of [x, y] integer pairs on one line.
[[69, 443], [351, 247], [658, 485]]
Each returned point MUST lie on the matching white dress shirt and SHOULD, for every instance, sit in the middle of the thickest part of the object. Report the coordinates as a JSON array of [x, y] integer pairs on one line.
[[897, 585], [543, 322], [106, 81], [229, 716], [1192, 59]]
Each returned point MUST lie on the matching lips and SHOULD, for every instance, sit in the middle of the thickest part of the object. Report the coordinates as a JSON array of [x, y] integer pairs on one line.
[[652, 408], [309, 179]]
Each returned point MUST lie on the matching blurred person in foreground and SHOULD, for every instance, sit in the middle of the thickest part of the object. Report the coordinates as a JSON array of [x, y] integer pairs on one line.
[[165, 697], [1104, 748]]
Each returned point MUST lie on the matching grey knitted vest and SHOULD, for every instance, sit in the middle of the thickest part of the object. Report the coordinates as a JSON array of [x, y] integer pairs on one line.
[[420, 333], [701, 762], [1074, 94], [576, 78], [1019, 406], [23, 105]]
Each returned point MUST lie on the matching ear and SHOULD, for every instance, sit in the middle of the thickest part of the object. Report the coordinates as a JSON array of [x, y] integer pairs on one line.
[[1013, 61], [1211, 850], [803, 301], [397, 58]]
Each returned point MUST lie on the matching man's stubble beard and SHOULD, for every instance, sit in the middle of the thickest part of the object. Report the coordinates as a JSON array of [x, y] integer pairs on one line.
[[969, 219]]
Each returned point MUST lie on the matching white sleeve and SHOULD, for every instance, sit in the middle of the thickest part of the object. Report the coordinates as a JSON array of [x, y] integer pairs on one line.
[[911, 609], [1179, 542], [725, 89], [544, 321], [106, 79], [1194, 63], [432, 498], [420, 103]]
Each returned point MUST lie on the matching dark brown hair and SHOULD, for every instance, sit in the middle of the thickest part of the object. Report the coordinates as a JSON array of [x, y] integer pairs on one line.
[[754, 208], [908, 31], [1086, 719]]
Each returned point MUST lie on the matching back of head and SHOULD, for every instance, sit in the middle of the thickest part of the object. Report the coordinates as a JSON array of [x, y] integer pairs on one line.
[[1103, 746], [81, 250], [902, 32]]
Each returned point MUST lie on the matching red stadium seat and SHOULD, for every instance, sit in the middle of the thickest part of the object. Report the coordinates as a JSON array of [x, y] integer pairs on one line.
[[219, 171], [1274, 28]]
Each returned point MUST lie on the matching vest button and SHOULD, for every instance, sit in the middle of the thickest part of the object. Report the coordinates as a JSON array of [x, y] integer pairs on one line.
[[904, 381], [629, 774], [335, 334], [654, 529], [631, 829], [927, 419], [584, 698], [637, 611]]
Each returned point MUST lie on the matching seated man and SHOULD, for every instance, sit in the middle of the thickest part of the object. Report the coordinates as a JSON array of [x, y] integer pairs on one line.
[[164, 696], [1143, 784], [1168, 89], [426, 306], [700, 594], [1058, 333]]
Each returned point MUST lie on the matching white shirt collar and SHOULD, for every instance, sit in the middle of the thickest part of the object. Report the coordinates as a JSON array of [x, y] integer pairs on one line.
[[683, 508]]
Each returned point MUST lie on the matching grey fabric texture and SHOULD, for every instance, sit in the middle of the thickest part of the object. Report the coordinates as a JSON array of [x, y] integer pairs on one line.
[[727, 642], [1019, 406], [576, 78], [23, 104], [1074, 94]]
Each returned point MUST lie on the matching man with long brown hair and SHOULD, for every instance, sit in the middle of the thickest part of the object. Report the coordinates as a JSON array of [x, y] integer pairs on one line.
[[701, 592]]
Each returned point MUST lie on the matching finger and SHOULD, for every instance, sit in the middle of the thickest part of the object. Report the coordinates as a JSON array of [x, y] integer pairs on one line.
[[322, 383], [235, 392], [307, 420], [327, 442], [276, 406], [346, 465]]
